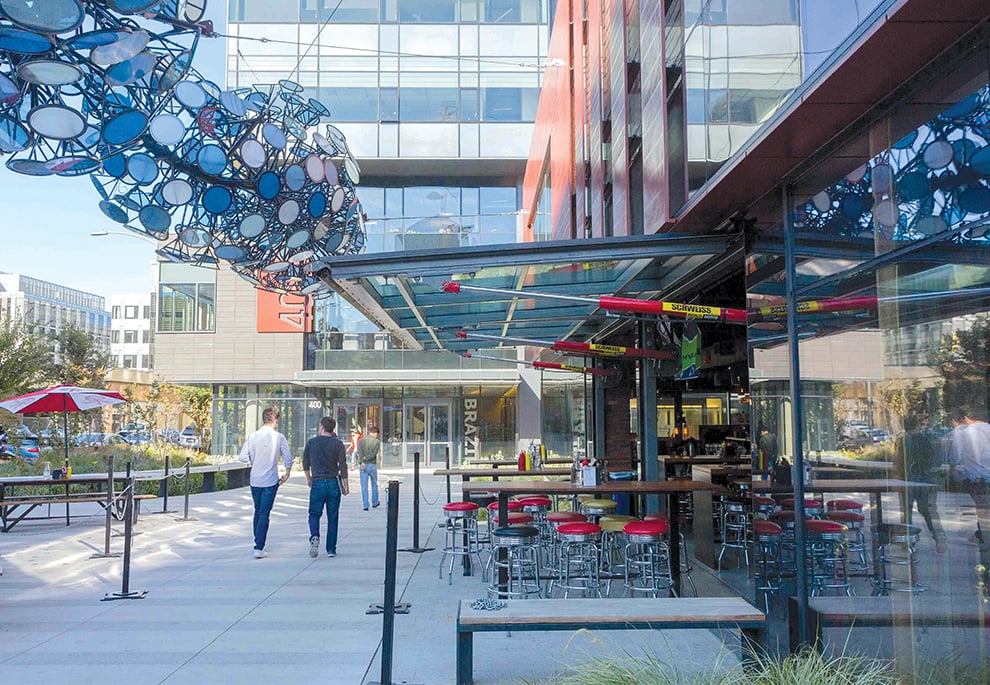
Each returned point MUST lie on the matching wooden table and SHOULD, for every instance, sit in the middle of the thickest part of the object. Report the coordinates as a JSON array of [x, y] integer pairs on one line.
[[671, 488], [467, 474]]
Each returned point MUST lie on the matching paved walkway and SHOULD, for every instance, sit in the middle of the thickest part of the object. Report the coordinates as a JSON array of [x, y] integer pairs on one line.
[[214, 614]]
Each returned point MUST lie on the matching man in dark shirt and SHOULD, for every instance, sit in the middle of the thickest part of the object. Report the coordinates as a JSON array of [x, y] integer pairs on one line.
[[323, 460]]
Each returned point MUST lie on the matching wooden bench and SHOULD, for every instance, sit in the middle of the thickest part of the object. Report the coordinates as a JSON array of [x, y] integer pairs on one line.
[[605, 614], [890, 611]]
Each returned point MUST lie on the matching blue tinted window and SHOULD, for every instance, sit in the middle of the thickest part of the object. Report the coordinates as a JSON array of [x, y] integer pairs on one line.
[[351, 104], [509, 104], [389, 103], [428, 104], [427, 11], [512, 11], [469, 104], [334, 11]]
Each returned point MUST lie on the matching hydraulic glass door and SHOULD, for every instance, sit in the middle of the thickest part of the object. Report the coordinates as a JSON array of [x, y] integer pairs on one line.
[[427, 431]]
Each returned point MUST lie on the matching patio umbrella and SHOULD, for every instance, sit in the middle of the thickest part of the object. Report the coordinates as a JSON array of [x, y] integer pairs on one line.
[[63, 398]]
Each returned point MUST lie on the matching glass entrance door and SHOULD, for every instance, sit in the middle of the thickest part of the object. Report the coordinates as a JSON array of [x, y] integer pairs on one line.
[[427, 431], [353, 419]]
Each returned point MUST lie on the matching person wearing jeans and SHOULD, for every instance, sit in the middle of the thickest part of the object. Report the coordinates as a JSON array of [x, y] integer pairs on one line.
[[324, 458], [368, 451], [970, 462], [262, 449]]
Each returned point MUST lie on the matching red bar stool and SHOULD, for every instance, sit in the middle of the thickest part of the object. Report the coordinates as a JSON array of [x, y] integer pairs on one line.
[[521, 544], [647, 567], [813, 508], [766, 558], [764, 506], [827, 556], [555, 519], [686, 566], [844, 505], [461, 538], [856, 544], [580, 558], [538, 508], [788, 560]]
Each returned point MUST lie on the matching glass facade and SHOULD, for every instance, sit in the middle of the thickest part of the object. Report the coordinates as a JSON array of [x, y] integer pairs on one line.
[[891, 277]]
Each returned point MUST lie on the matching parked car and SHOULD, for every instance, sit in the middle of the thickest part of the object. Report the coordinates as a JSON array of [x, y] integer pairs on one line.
[[135, 437], [856, 439], [20, 442], [189, 437], [879, 435], [98, 440]]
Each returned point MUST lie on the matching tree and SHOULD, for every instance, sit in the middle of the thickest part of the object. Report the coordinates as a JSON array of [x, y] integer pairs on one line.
[[78, 360], [963, 361], [23, 357], [197, 402]]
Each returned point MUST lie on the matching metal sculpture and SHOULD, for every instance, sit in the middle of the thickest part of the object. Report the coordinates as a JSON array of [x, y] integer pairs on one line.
[[243, 177], [935, 179]]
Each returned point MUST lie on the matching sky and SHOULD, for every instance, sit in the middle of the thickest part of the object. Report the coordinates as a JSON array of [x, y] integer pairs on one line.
[[45, 222]]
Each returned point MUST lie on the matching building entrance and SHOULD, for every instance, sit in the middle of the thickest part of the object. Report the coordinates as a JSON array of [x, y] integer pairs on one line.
[[427, 430]]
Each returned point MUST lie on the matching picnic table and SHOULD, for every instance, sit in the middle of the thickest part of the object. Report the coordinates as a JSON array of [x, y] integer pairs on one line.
[[16, 506], [671, 488]]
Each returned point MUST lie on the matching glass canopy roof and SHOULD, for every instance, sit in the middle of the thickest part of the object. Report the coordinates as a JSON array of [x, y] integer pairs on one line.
[[401, 291]]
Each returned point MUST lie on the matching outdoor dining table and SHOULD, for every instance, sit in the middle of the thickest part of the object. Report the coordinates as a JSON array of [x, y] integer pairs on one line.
[[514, 463], [467, 474], [671, 488], [874, 486], [58, 493]]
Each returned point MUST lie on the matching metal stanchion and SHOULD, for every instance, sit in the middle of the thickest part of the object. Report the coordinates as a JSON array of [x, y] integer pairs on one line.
[[110, 504], [416, 549], [446, 465], [164, 490], [185, 515], [389, 608], [125, 591]]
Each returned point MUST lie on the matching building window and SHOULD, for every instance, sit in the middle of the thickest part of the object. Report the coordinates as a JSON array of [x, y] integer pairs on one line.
[[509, 104], [130, 311], [115, 312], [146, 312], [145, 337], [130, 337], [187, 295], [427, 11], [143, 361], [130, 361], [115, 336]]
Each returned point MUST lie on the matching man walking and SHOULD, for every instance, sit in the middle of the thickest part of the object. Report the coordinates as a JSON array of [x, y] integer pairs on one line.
[[368, 451], [970, 460], [262, 449], [324, 458]]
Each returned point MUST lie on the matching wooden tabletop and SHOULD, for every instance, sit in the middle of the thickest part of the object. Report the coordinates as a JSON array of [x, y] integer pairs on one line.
[[514, 463], [501, 473], [710, 460], [565, 487], [846, 485], [688, 610]]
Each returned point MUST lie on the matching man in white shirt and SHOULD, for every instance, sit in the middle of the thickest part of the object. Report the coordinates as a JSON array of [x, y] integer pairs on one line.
[[263, 448], [970, 460]]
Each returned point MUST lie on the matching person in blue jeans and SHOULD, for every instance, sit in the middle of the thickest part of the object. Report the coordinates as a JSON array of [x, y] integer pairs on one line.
[[324, 458], [262, 449], [369, 449]]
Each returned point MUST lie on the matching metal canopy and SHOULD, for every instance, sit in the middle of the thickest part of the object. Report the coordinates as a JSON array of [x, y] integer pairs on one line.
[[400, 291]]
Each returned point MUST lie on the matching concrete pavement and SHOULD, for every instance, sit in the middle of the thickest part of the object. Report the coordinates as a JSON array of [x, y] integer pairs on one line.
[[214, 614]]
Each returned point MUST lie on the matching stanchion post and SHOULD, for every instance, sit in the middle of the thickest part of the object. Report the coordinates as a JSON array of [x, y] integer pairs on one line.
[[389, 608], [185, 514], [446, 465], [106, 545], [416, 549], [165, 491], [125, 589]]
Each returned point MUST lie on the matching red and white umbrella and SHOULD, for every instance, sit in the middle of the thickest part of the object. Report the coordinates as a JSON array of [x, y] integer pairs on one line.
[[63, 398]]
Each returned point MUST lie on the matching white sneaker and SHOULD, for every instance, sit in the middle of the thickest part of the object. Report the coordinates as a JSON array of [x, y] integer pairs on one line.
[[260, 554], [314, 547], [331, 554]]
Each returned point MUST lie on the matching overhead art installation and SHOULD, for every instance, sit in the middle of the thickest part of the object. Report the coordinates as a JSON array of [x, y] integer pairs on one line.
[[245, 177]]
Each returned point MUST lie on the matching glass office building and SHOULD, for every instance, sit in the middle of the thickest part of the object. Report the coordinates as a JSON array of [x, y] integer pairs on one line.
[[437, 100]]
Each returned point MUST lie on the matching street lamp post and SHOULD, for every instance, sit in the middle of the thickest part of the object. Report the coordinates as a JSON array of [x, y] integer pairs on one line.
[[100, 234]]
